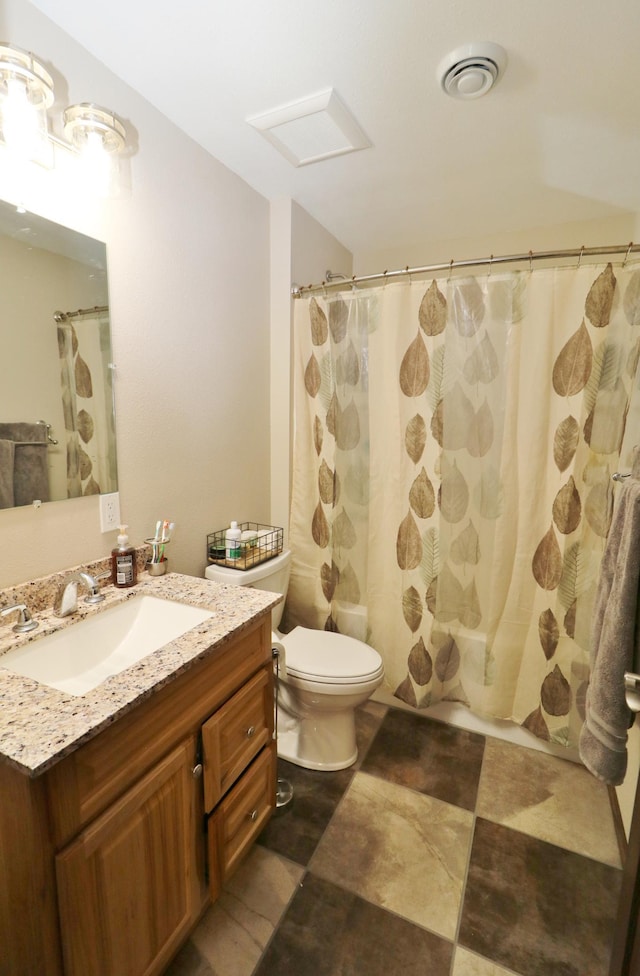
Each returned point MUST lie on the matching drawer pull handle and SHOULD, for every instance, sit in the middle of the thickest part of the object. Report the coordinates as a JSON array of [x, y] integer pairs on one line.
[[253, 816], [197, 771], [251, 731]]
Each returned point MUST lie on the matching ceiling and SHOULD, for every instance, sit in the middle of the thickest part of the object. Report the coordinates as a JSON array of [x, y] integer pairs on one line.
[[556, 141]]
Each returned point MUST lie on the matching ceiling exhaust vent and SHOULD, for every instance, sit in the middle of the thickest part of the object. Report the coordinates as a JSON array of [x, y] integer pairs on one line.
[[311, 129], [471, 70]]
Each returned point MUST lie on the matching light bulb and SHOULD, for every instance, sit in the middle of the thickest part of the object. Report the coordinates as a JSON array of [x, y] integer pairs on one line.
[[20, 122]]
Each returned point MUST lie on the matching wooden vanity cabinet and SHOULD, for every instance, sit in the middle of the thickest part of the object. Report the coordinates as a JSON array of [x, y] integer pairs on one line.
[[122, 829]]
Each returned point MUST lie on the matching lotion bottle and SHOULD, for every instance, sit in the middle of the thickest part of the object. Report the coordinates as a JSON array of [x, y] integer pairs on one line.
[[123, 561], [232, 542]]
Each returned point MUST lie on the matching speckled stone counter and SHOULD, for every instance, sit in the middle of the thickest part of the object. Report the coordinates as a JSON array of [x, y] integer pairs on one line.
[[40, 725]]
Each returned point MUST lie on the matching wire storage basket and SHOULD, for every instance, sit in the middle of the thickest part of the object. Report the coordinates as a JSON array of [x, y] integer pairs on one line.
[[260, 542]]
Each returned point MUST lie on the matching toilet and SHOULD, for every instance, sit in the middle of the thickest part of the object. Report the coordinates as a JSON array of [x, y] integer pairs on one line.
[[323, 677]]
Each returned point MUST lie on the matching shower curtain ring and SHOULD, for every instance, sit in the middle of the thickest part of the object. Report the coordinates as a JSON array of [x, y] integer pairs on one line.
[[530, 261], [581, 253], [626, 257], [490, 263], [450, 269]]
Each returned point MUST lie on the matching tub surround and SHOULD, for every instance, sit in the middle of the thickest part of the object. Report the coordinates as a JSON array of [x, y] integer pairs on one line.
[[40, 725]]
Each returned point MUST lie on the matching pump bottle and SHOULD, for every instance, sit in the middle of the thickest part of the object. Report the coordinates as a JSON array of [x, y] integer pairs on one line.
[[232, 542], [123, 561]]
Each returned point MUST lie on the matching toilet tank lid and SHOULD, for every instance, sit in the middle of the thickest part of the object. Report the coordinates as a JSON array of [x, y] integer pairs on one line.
[[248, 577]]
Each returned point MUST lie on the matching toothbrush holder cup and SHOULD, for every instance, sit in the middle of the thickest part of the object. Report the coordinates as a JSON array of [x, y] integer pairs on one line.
[[157, 565]]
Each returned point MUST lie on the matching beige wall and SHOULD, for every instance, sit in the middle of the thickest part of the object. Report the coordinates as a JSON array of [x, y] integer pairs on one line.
[[591, 233], [188, 255]]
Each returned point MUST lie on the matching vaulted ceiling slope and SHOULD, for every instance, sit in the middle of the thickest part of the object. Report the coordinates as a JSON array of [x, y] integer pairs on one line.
[[557, 140]]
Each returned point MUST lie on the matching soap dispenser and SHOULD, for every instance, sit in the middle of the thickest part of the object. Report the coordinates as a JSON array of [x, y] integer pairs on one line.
[[123, 561]]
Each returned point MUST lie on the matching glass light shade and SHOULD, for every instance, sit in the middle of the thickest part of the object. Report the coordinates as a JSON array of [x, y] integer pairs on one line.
[[89, 125], [19, 65], [26, 92]]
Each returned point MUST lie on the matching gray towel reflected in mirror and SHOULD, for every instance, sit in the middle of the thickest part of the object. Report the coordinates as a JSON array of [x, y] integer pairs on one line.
[[24, 475]]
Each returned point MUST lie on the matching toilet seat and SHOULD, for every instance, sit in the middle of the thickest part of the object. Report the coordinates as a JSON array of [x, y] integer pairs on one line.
[[329, 658]]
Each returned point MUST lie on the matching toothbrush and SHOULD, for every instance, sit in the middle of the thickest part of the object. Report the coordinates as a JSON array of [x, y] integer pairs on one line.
[[167, 529], [155, 542]]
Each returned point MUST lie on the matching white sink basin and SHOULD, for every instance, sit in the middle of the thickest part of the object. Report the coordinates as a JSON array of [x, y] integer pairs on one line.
[[81, 656]]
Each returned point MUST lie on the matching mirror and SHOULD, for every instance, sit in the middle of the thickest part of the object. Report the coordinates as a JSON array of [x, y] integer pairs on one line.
[[57, 423]]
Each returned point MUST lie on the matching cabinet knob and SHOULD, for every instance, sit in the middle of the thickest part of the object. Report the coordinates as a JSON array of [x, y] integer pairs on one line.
[[197, 771], [253, 816], [251, 731]]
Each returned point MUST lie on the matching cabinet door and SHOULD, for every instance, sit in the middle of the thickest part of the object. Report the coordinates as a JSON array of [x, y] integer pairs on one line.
[[235, 735], [128, 886]]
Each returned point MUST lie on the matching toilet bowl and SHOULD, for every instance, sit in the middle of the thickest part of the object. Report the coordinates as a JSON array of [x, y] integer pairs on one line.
[[323, 677]]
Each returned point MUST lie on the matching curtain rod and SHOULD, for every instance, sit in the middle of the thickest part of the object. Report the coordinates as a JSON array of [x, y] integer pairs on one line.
[[297, 291], [63, 316]]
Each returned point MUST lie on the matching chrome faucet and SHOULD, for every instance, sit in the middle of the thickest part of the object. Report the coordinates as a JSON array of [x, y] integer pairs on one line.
[[25, 620], [66, 599]]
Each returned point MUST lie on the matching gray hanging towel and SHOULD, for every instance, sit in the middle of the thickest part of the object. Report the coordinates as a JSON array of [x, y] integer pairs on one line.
[[6, 474], [614, 643], [30, 465]]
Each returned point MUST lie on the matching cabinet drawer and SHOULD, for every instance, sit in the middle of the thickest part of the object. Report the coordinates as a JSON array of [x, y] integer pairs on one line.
[[235, 734], [240, 818]]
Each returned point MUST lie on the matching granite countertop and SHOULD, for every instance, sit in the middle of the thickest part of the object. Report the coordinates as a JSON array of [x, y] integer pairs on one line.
[[40, 725]]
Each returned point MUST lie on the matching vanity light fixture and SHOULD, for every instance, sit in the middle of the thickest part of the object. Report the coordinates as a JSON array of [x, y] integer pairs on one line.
[[26, 93]]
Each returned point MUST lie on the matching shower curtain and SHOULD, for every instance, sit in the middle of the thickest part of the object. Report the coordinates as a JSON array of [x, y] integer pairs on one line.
[[87, 402], [454, 447]]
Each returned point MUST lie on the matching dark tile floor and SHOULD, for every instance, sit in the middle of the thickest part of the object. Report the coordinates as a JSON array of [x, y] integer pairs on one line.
[[427, 857]]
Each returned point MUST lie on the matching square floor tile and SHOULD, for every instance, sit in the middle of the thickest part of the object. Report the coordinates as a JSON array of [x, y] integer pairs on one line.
[[398, 849], [295, 831], [232, 934], [328, 931], [427, 756], [536, 908], [553, 799]]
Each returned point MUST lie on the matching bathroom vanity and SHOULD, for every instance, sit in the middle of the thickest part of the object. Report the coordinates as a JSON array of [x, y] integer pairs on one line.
[[123, 811]]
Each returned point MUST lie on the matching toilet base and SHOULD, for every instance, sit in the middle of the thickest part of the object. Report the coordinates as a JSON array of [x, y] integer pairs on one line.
[[321, 740]]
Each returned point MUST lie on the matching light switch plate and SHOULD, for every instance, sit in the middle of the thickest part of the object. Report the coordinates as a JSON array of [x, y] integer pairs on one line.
[[109, 511]]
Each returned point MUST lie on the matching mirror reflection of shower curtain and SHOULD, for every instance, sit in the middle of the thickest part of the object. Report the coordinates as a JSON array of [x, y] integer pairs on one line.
[[87, 400], [452, 491]]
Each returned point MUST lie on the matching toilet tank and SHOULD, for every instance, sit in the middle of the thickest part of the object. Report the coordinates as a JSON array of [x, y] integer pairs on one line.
[[272, 575]]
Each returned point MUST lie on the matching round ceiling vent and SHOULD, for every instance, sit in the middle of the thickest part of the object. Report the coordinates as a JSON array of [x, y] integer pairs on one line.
[[471, 70]]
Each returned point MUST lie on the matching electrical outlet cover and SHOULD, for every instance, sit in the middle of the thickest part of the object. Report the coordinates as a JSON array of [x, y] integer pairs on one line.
[[109, 511]]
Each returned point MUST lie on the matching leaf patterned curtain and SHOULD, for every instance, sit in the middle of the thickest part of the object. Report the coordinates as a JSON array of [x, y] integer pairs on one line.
[[87, 401], [452, 490]]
